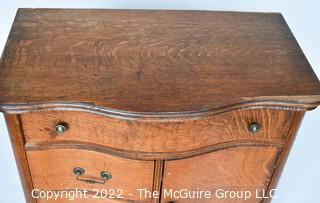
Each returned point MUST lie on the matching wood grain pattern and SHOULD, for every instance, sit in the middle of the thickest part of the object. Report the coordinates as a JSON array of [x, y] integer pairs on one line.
[[232, 169], [175, 89], [153, 61], [292, 132], [147, 156], [160, 137], [53, 170], [17, 141], [157, 178]]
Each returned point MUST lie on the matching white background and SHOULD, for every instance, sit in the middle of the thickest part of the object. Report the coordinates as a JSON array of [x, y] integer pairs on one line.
[[300, 181]]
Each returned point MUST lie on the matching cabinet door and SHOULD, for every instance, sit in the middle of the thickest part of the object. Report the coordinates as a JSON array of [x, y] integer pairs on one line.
[[54, 170], [236, 171]]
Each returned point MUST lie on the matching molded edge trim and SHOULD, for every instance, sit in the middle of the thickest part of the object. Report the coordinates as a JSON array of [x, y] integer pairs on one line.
[[147, 156], [152, 116]]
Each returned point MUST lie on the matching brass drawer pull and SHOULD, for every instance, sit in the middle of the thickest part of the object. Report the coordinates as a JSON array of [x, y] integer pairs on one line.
[[254, 127], [61, 128], [105, 175]]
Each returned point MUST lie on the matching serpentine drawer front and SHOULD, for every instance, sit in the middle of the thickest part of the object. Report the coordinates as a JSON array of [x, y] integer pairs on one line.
[[153, 106], [166, 136]]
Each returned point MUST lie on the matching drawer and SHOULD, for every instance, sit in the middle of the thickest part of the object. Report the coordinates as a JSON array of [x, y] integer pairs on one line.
[[56, 169], [234, 169], [156, 136]]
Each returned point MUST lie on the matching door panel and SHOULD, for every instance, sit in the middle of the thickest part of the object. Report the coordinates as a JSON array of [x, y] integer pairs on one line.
[[235, 169]]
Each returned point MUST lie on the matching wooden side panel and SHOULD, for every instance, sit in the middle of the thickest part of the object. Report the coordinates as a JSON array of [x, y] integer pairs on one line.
[[17, 141], [231, 169], [166, 136], [53, 170], [292, 132]]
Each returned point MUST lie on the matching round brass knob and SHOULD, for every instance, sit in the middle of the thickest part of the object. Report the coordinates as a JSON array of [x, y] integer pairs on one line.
[[254, 127], [61, 128], [106, 175], [78, 171]]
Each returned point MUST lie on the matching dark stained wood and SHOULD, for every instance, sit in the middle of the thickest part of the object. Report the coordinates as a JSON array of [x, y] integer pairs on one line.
[[161, 99], [17, 141], [232, 169], [53, 170], [161, 137], [285, 152], [153, 61]]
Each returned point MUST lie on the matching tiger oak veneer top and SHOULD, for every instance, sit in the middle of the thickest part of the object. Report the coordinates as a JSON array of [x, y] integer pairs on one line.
[[161, 100], [153, 62]]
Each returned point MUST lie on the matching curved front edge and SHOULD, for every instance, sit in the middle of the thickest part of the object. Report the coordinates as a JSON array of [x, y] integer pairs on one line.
[[23, 108]]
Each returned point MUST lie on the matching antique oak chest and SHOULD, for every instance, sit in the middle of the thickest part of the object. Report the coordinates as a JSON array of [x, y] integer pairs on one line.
[[153, 106]]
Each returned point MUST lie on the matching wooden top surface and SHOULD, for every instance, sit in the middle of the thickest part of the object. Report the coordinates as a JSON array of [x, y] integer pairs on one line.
[[153, 61]]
